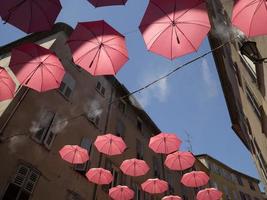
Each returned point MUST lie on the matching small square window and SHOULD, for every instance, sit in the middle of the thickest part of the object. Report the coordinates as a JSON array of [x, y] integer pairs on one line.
[[103, 90], [98, 86], [139, 124]]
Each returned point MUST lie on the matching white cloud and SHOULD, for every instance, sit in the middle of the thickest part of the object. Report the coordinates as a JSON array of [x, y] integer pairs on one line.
[[208, 78], [158, 92]]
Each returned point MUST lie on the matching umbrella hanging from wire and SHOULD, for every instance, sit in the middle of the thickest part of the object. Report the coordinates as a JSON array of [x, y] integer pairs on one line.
[[99, 176], [180, 160], [110, 144], [173, 28], [98, 48], [121, 192], [154, 186], [30, 15], [36, 67], [74, 154], [250, 17], [7, 85], [134, 167], [100, 3], [165, 143], [209, 194], [195, 179]]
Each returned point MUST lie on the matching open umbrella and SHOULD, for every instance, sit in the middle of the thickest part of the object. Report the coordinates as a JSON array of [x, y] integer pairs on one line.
[[134, 167], [173, 28], [250, 17], [164, 143], [195, 179], [74, 154], [121, 192], [180, 160], [99, 176], [98, 48], [30, 15], [154, 186], [171, 197], [7, 85], [110, 144], [209, 194], [100, 3], [36, 67]]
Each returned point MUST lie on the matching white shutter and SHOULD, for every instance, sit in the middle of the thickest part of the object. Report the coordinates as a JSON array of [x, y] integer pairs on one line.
[[31, 181], [21, 175]]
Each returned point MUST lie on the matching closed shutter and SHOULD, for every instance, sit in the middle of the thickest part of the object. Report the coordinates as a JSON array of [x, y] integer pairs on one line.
[[31, 181], [120, 129], [21, 175], [86, 143]]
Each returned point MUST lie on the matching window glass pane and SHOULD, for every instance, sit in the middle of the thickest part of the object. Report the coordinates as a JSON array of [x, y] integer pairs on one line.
[[24, 195], [11, 192]]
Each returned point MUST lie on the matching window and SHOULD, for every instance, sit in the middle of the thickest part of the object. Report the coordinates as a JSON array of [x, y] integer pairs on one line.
[[100, 89], [253, 102], [170, 181], [156, 166], [120, 129], [250, 66], [122, 106], [242, 195], [139, 150], [71, 195], [139, 124], [251, 185], [45, 135], [86, 143], [67, 86], [108, 166], [239, 180], [94, 119], [23, 184], [137, 191], [238, 75]]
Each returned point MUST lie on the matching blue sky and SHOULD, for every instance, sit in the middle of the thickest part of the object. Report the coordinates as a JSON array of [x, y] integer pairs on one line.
[[191, 100]]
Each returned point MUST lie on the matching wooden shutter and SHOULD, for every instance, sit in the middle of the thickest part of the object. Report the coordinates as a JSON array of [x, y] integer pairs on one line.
[[31, 181], [21, 175], [86, 143]]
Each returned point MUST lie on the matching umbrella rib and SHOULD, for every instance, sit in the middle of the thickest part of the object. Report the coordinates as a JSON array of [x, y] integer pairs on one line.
[[109, 59], [44, 13], [171, 41], [161, 10], [195, 23], [93, 34], [98, 56], [107, 46], [12, 10], [248, 5], [7, 86], [82, 40], [186, 37], [254, 15], [157, 35], [30, 20], [186, 11], [81, 57]]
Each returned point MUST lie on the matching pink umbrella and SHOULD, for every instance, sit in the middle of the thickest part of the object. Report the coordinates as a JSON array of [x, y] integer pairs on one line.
[[74, 154], [7, 85], [100, 3], [121, 193], [165, 143], [154, 186], [171, 197], [134, 167], [195, 179], [174, 28], [36, 67], [250, 16], [180, 160], [98, 48], [209, 194], [30, 15], [110, 144], [99, 176]]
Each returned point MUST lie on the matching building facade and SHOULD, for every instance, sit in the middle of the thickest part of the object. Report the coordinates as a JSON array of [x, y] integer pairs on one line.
[[35, 126], [234, 185], [243, 80]]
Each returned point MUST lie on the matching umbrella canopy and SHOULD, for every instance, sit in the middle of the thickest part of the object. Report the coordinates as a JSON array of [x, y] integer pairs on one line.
[[121, 193], [7, 85], [99, 176], [30, 15], [74, 154], [98, 48], [171, 197], [250, 16], [154, 186], [110, 144], [209, 194], [195, 179], [100, 3], [180, 160], [134, 167], [165, 143], [36, 67], [173, 28]]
